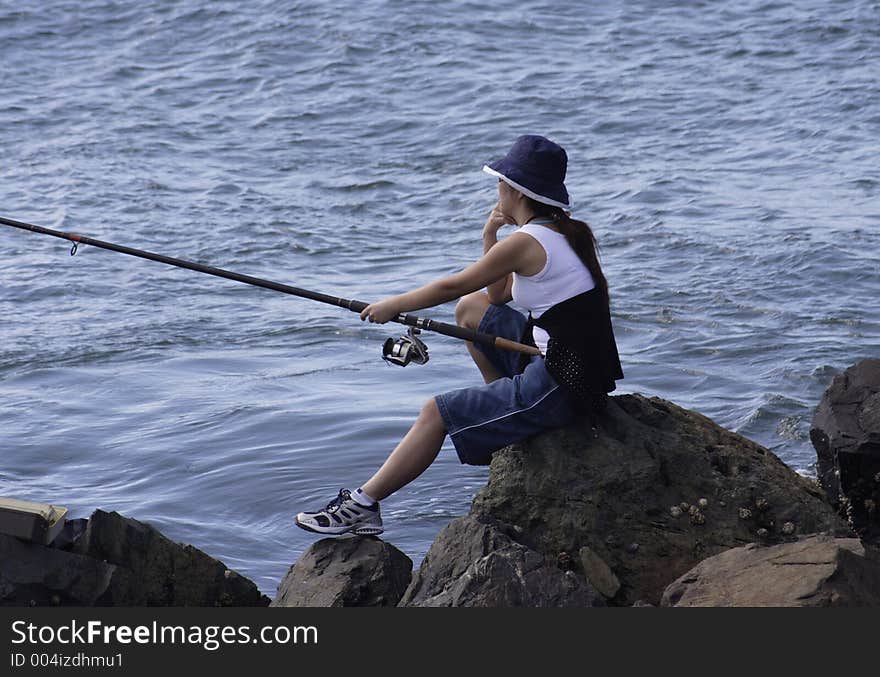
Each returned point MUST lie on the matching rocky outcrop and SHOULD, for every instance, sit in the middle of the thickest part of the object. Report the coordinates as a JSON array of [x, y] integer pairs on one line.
[[846, 435], [349, 571], [111, 560], [477, 564], [656, 490], [819, 570], [38, 575]]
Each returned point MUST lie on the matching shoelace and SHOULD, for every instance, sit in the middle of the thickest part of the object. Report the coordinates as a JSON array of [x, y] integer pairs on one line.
[[333, 505]]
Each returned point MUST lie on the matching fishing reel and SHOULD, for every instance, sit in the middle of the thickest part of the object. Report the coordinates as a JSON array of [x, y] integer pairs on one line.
[[408, 348]]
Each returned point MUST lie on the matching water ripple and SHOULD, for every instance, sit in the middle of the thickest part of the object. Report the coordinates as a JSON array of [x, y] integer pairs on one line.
[[725, 155]]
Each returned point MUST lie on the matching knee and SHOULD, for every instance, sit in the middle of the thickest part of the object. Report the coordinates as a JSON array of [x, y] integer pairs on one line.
[[470, 309]]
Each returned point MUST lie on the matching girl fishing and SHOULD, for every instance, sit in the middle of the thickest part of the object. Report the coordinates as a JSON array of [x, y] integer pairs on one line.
[[550, 267]]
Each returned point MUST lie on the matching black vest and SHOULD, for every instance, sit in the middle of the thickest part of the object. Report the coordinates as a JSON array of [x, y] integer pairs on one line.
[[582, 353]]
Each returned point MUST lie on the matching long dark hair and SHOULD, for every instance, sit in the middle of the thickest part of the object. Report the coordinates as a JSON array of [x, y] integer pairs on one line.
[[579, 236]]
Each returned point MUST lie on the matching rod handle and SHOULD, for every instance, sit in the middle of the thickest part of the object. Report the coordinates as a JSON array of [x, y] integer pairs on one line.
[[507, 344]]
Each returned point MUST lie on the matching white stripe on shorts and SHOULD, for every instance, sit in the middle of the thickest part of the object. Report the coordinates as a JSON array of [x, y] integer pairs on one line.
[[511, 413]]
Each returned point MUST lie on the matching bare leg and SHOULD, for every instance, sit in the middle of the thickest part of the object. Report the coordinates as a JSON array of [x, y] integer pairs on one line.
[[469, 313], [416, 451], [420, 446]]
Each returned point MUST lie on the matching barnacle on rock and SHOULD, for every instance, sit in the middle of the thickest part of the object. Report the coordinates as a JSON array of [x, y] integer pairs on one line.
[[685, 506], [693, 510], [847, 509], [703, 502], [788, 528], [675, 511], [563, 561], [698, 518], [745, 513], [762, 533], [762, 504]]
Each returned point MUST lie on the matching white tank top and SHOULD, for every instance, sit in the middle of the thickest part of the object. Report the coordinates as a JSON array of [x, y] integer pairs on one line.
[[563, 276]]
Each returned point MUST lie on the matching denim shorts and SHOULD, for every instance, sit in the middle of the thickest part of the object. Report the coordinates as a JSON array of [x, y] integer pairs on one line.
[[482, 419]]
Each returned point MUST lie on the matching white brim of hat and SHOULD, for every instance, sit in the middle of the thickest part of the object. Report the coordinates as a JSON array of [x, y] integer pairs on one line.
[[526, 191]]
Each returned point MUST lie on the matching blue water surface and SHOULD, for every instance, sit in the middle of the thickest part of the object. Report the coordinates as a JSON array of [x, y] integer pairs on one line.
[[724, 153]]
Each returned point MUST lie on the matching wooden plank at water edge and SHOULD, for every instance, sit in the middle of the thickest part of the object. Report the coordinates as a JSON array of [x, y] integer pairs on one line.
[[31, 521]]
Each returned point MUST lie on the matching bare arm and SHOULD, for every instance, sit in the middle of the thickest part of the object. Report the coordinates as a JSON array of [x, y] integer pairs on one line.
[[499, 261], [498, 291]]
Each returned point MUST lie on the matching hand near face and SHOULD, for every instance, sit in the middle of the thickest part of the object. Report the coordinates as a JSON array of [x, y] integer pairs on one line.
[[496, 219]]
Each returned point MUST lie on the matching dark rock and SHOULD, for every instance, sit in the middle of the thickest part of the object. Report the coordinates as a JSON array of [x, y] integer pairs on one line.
[[819, 570], [566, 490], [643, 603], [477, 564], [37, 575], [599, 574], [152, 570], [846, 435], [350, 571], [70, 533], [117, 561]]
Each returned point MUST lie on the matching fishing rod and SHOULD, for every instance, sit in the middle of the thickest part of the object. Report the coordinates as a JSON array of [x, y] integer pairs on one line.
[[406, 349]]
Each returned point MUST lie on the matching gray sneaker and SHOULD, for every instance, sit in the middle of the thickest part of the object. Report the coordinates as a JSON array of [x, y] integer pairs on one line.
[[343, 515]]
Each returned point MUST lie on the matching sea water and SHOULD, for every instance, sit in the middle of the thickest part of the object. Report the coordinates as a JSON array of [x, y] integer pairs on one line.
[[725, 154]]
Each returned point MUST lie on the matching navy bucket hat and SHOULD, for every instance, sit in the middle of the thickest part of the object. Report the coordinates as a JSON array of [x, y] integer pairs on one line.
[[535, 166]]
